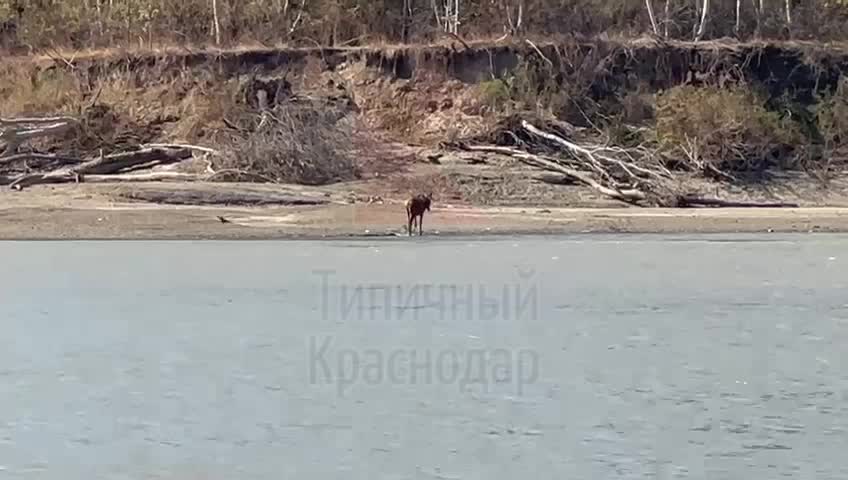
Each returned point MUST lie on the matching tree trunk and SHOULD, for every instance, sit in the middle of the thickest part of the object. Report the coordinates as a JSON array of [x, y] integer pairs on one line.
[[654, 27], [407, 18], [216, 24], [703, 24], [758, 10], [789, 17], [737, 26], [436, 13]]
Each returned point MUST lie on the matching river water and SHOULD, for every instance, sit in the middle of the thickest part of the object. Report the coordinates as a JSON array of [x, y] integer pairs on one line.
[[582, 357]]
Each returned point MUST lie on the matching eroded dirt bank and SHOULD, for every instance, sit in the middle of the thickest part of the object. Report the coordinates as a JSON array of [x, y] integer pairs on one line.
[[401, 106]]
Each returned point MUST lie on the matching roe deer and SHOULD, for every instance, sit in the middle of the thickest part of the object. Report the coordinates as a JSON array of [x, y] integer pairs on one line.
[[415, 207]]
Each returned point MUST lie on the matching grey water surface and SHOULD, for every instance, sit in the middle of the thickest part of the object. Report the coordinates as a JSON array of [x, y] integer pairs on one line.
[[582, 357]]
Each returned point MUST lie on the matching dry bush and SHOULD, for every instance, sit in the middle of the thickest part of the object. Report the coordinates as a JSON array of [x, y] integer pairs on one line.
[[831, 116], [560, 86], [113, 112], [495, 95], [830, 124], [26, 91], [725, 130], [299, 141]]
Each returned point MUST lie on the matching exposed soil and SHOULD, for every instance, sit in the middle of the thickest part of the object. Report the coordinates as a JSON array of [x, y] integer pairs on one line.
[[406, 101]]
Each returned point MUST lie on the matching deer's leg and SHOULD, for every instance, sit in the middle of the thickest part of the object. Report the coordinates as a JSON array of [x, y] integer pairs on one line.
[[420, 224]]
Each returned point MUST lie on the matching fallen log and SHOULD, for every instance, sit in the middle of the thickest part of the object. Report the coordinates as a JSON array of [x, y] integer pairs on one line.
[[686, 201], [218, 196], [629, 195], [145, 177], [109, 164], [6, 122], [555, 179], [593, 154], [16, 131], [119, 161], [16, 165], [23, 157], [180, 146], [44, 178]]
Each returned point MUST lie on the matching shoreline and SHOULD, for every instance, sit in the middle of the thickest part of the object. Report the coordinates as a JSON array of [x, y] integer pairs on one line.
[[366, 221]]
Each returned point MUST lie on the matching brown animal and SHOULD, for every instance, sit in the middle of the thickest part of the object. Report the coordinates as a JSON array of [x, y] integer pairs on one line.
[[415, 207]]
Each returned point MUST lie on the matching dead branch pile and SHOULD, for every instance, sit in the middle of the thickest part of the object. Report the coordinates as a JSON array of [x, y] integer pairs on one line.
[[634, 176], [23, 169], [637, 175], [268, 134], [299, 139]]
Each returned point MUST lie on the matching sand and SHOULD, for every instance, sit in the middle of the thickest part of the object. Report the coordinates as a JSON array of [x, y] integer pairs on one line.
[[82, 212]]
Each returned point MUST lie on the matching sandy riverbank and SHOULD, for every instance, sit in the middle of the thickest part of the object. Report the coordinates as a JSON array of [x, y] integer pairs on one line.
[[160, 222], [88, 211]]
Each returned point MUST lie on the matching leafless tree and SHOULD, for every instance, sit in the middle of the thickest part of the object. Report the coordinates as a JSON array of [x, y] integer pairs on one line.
[[759, 9], [447, 17], [514, 24], [736, 27], [407, 19], [216, 24], [788, 15], [703, 22], [653, 18]]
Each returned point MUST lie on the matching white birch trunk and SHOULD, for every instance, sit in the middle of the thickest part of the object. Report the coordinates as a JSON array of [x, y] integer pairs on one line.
[[788, 15], [738, 24], [216, 25], [654, 27], [703, 24], [437, 14]]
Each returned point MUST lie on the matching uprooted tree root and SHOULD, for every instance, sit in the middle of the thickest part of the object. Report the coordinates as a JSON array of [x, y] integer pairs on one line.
[[637, 176]]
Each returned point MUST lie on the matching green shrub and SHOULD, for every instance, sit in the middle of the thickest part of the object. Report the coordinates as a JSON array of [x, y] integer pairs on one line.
[[495, 90], [831, 117], [495, 93], [727, 129]]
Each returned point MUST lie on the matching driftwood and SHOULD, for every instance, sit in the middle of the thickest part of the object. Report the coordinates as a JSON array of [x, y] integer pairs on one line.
[[120, 161], [23, 157], [145, 177], [686, 201], [16, 131], [593, 154], [632, 175], [110, 164], [627, 195], [20, 170], [182, 146], [555, 179]]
